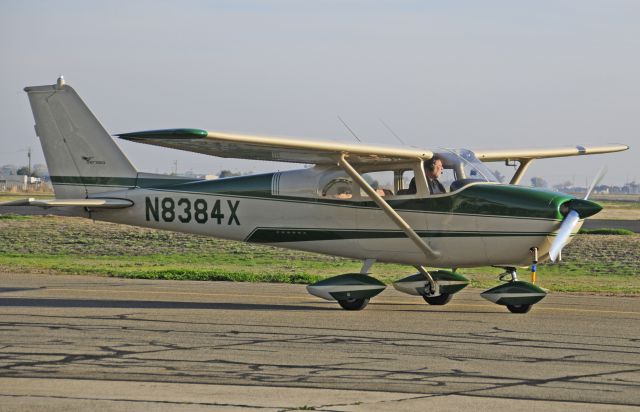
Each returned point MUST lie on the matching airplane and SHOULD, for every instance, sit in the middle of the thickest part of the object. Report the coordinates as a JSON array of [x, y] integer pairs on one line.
[[353, 201]]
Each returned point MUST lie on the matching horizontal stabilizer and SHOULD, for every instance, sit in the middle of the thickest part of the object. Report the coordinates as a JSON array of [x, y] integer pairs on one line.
[[101, 203]]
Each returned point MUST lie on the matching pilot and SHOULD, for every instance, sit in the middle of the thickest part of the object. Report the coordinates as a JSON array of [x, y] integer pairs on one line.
[[432, 169]]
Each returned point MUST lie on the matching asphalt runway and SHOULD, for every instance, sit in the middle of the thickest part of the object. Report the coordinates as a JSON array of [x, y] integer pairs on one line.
[[77, 343]]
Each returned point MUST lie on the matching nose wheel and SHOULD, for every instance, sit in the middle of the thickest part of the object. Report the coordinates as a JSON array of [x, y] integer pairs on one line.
[[519, 308]]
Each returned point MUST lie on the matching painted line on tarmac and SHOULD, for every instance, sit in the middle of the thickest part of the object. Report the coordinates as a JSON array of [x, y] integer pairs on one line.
[[553, 308], [394, 302], [622, 312]]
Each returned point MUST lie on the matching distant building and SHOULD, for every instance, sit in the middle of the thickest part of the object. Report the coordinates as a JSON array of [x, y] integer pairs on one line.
[[18, 182], [632, 188], [7, 170]]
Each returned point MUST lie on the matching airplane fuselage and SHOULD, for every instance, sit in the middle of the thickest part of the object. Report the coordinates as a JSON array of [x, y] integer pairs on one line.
[[480, 224]]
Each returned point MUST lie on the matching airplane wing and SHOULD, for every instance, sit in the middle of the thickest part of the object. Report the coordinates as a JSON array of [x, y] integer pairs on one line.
[[91, 203], [497, 155], [281, 149], [272, 148]]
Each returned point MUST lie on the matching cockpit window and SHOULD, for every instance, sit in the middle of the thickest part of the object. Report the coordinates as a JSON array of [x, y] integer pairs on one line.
[[467, 165], [466, 168]]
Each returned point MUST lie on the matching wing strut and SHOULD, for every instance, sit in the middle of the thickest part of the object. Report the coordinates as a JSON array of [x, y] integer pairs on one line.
[[395, 217], [517, 176]]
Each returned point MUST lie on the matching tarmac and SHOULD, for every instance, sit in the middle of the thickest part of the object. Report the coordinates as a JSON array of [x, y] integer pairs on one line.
[[81, 342]]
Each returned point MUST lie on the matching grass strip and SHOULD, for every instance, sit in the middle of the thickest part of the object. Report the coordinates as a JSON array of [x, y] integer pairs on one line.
[[14, 217], [563, 277], [606, 231]]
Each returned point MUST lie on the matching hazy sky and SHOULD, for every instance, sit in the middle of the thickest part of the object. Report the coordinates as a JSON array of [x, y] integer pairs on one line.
[[473, 74]]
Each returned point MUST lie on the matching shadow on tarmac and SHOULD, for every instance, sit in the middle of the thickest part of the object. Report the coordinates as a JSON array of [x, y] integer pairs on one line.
[[147, 304]]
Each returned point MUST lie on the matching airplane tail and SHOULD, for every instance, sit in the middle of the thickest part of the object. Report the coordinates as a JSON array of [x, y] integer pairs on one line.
[[81, 156]]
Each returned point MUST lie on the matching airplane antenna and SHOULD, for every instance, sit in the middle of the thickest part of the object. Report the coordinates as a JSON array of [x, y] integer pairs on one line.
[[391, 130], [349, 129]]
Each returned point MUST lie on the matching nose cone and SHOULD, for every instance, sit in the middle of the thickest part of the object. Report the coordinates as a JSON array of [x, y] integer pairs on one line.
[[585, 208]]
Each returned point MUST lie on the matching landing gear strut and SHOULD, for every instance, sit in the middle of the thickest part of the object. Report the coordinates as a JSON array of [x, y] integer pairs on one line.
[[510, 275]]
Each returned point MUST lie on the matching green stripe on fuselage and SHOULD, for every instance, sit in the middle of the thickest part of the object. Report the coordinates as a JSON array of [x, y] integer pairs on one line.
[[283, 235], [142, 182], [94, 181]]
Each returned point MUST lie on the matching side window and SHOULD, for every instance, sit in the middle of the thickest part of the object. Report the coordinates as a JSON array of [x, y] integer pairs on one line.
[[407, 177], [447, 177], [382, 182]]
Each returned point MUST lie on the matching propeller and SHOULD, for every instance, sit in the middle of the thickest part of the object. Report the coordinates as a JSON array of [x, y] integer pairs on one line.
[[576, 209], [596, 181]]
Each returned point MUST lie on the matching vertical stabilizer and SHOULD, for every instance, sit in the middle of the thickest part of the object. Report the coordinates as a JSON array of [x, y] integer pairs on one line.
[[81, 156]]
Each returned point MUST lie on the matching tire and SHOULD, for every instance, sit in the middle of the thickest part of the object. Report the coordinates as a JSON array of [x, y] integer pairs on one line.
[[439, 300], [353, 304], [519, 308]]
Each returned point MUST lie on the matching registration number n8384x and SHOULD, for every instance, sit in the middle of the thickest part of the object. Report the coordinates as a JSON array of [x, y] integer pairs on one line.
[[167, 209]]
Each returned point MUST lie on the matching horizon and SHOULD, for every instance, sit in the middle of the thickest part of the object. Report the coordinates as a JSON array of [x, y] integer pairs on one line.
[[190, 172]]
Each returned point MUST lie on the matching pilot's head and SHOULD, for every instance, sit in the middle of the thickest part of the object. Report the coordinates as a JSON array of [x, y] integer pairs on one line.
[[433, 167]]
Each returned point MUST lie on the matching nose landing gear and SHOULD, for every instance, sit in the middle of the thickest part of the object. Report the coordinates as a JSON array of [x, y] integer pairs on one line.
[[518, 296]]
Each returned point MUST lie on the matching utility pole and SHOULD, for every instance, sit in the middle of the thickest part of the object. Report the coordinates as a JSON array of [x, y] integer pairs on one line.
[[29, 169]]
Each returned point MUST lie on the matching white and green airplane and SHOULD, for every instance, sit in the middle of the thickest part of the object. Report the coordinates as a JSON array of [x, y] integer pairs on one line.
[[355, 201]]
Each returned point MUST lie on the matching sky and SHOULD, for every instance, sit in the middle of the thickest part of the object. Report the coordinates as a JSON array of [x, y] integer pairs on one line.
[[478, 75]]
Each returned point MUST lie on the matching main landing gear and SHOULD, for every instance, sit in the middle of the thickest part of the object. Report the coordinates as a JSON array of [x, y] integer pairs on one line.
[[354, 304], [436, 288], [439, 300], [352, 291]]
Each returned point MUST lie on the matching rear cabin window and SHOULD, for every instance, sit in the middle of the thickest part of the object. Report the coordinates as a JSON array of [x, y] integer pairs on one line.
[[381, 182], [338, 188]]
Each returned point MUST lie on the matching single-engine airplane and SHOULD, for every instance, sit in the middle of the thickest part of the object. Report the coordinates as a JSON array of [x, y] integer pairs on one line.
[[353, 202]]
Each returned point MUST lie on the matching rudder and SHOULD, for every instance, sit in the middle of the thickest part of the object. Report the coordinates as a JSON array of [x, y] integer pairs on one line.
[[81, 156]]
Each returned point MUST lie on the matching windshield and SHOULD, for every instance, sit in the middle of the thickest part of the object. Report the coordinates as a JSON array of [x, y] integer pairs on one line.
[[466, 165]]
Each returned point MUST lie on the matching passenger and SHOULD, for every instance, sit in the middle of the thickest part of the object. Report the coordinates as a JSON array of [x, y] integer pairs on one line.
[[412, 187]]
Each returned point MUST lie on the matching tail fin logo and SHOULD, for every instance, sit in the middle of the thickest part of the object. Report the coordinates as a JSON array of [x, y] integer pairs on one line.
[[90, 161]]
